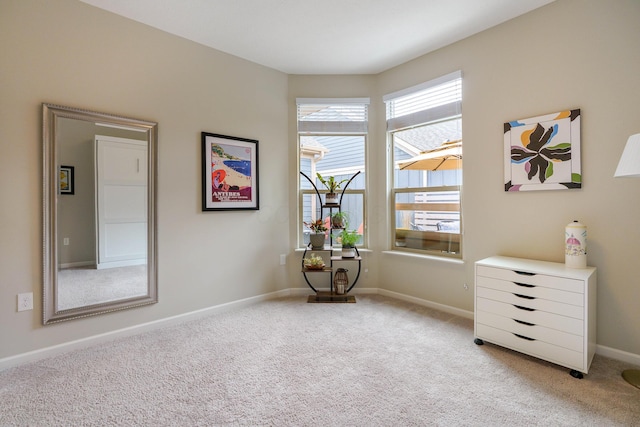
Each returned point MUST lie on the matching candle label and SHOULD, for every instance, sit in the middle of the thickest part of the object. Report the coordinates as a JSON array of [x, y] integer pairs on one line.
[[576, 245]]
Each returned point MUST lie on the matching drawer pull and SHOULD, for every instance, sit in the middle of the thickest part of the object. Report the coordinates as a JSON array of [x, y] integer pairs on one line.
[[524, 285], [524, 308], [522, 322], [524, 296], [524, 273], [524, 338]]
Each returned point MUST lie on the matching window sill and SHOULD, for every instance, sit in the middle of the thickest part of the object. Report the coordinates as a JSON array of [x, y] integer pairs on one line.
[[424, 256], [363, 250]]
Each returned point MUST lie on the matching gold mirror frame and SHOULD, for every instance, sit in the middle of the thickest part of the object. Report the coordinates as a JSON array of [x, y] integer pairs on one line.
[[51, 114]]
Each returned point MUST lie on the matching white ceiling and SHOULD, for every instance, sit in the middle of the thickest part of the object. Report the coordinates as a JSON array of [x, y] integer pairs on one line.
[[322, 36]]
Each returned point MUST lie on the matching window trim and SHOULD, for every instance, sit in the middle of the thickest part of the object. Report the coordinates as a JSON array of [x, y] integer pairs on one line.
[[414, 119], [337, 128]]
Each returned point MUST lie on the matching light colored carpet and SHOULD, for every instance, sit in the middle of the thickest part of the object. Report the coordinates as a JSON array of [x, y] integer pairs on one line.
[[379, 362], [78, 287]]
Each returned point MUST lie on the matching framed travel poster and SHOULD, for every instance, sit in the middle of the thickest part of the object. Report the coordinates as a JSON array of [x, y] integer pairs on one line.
[[229, 173]]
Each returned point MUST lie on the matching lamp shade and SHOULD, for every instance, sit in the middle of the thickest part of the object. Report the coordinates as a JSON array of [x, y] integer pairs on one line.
[[629, 164]]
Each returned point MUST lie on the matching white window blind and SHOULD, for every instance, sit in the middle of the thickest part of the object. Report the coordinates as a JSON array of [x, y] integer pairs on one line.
[[436, 99], [333, 115]]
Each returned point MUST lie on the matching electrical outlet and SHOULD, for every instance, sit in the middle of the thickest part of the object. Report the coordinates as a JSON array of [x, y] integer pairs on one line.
[[466, 287], [65, 241], [25, 301], [283, 259]]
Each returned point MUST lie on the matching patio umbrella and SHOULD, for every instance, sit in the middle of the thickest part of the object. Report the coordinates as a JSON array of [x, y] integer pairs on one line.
[[445, 157]]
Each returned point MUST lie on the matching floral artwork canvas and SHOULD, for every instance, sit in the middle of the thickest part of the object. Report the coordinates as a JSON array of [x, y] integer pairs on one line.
[[543, 153]]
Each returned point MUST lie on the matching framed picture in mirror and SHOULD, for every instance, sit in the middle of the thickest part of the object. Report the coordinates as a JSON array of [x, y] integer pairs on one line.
[[66, 180]]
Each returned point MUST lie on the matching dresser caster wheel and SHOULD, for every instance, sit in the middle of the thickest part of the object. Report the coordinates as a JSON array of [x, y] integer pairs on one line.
[[576, 374], [478, 341]]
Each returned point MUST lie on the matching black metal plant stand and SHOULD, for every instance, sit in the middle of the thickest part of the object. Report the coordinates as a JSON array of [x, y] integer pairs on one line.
[[332, 295]]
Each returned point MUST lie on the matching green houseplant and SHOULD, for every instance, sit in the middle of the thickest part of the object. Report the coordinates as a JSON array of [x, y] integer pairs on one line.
[[348, 239], [339, 219], [332, 185]]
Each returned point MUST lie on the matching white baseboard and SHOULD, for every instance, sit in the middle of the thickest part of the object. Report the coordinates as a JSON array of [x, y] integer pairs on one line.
[[122, 263], [78, 264], [426, 303], [396, 295], [46, 352], [35, 355], [620, 355], [356, 291]]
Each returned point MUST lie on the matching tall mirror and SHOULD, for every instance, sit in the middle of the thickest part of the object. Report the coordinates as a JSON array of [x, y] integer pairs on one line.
[[99, 173]]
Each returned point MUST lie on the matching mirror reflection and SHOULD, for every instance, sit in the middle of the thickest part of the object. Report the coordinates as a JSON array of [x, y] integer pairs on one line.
[[99, 213]]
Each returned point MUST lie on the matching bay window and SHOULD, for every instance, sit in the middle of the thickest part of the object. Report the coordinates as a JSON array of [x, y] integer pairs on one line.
[[332, 136]]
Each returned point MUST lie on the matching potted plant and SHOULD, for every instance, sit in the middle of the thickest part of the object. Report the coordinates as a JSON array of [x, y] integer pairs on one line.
[[332, 185], [317, 235], [314, 262], [339, 220], [348, 239]]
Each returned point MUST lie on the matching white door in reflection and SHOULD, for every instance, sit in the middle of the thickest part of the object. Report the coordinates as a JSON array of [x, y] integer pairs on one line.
[[121, 202]]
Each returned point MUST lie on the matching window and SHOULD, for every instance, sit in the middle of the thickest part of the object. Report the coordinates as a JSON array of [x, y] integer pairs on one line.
[[424, 125], [332, 136]]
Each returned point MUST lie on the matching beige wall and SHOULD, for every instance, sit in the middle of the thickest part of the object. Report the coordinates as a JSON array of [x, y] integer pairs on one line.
[[569, 54], [76, 212], [69, 53]]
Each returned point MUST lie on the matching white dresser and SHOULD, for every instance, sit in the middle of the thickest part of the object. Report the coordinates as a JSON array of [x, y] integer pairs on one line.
[[540, 308]]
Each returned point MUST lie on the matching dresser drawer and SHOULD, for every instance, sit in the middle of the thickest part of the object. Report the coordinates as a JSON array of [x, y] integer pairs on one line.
[[529, 278], [536, 317], [541, 349], [535, 291], [531, 303], [529, 330], [540, 308]]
